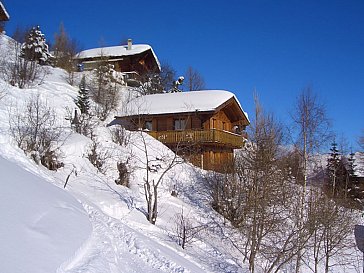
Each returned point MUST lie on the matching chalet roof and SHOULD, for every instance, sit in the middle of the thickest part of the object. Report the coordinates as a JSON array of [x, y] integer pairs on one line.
[[4, 16], [180, 102], [115, 52]]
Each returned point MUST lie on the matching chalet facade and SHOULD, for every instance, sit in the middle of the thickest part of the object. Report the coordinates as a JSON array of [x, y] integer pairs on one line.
[[133, 60], [203, 126]]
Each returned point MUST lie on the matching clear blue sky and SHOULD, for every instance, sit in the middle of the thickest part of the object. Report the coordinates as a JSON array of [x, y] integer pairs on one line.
[[276, 47]]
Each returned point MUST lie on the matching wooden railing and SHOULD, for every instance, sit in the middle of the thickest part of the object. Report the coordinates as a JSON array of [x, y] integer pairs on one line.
[[212, 136]]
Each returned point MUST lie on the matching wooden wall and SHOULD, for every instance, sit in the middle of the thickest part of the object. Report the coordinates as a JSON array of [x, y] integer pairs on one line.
[[208, 157], [193, 121]]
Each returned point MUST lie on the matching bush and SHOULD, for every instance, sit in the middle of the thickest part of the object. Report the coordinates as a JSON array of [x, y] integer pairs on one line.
[[124, 174], [98, 157], [36, 132]]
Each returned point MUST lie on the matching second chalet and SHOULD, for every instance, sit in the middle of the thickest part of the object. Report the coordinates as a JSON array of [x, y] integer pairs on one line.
[[133, 60], [203, 126]]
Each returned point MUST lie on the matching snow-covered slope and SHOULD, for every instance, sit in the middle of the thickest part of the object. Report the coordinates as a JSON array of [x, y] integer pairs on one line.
[[42, 225], [46, 230], [95, 225]]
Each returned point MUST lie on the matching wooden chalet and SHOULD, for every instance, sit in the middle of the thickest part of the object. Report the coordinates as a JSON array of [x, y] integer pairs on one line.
[[203, 126], [133, 60], [4, 16]]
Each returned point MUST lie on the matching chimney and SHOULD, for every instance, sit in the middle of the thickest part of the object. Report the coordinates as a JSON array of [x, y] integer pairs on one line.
[[130, 43]]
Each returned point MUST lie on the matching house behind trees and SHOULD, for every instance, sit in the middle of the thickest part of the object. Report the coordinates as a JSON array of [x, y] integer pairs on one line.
[[202, 126]]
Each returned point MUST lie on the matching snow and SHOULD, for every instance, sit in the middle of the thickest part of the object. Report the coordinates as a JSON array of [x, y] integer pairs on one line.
[[179, 102], [359, 164], [42, 225], [94, 225]]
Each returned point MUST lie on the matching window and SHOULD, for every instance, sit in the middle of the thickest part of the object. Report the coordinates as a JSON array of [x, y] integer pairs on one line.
[[214, 123], [179, 124], [148, 125]]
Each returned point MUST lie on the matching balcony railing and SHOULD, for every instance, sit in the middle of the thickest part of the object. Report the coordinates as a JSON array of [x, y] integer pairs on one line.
[[212, 136]]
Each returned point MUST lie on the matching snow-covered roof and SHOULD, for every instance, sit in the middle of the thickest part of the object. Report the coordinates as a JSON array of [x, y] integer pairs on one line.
[[113, 51], [180, 102], [4, 10], [116, 51]]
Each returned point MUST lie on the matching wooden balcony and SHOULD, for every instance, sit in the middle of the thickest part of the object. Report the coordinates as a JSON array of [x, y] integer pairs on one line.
[[204, 137], [132, 78]]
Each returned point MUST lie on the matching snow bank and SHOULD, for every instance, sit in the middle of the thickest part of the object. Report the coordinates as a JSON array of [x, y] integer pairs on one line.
[[42, 225]]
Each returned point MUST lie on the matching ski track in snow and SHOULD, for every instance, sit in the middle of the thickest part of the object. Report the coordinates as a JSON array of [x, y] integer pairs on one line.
[[111, 242]]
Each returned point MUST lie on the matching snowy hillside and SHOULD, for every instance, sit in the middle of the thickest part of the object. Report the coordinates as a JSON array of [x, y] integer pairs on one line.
[[46, 230], [42, 225], [77, 219]]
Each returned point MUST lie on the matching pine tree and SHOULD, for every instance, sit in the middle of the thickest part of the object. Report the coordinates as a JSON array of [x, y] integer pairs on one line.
[[83, 99], [333, 166], [353, 186], [35, 47]]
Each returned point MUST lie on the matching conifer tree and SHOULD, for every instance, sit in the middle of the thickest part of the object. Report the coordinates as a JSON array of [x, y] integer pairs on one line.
[[353, 187], [335, 168], [35, 47], [83, 99]]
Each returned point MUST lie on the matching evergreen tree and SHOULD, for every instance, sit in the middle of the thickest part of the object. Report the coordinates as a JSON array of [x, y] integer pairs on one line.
[[333, 167], [35, 47], [105, 90], [353, 186], [83, 99]]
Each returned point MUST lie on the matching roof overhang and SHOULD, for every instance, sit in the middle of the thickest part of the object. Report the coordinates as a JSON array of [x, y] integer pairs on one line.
[[4, 15]]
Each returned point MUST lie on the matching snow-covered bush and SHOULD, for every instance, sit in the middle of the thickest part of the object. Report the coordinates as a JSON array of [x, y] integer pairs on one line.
[[35, 131], [124, 174], [16, 70], [120, 135], [97, 156]]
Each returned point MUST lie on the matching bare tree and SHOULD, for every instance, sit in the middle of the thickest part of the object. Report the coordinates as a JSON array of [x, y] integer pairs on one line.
[[64, 50], [98, 156], [194, 81], [257, 168], [156, 168], [104, 90], [331, 243], [167, 76], [257, 198], [185, 231], [36, 132], [312, 127]]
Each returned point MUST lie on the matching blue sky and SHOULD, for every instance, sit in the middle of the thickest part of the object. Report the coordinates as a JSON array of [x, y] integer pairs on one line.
[[276, 47]]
